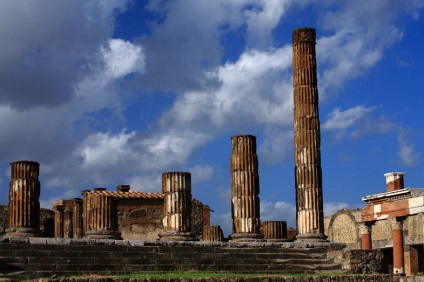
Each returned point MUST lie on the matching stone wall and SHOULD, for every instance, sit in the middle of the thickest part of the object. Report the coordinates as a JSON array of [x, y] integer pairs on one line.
[[140, 219], [342, 227]]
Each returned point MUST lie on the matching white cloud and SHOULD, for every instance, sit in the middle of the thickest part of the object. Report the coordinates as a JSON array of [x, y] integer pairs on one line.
[[122, 58], [358, 37], [406, 152]]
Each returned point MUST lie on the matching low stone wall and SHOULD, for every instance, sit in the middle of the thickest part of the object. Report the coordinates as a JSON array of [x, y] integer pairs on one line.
[[363, 261]]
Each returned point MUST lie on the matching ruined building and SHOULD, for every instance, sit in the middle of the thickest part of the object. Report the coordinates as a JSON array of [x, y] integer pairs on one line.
[[392, 221]]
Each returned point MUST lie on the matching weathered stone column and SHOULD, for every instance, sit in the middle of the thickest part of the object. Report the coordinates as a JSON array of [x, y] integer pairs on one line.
[[245, 189], [212, 234], [68, 228], [365, 229], [58, 221], [177, 207], [307, 155], [274, 231], [102, 216], [397, 234], [77, 218], [24, 205]]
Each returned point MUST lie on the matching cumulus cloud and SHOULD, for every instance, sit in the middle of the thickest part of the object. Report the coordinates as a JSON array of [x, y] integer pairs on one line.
[[285, 211], [357, 121], [358, 36], [407, 153]]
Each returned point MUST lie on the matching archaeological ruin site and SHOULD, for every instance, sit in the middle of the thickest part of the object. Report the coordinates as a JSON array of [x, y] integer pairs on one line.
[[126, 231]]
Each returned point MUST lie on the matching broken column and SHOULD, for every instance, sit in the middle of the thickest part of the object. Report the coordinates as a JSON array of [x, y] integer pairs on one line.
[[102, 215], [307, 155], [24, 205], [245, 189], [394, 181], [176, 187], [274, 231], [212, 234]]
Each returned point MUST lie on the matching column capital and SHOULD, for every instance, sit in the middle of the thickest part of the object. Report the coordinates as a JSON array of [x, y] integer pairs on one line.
[[397, 223]]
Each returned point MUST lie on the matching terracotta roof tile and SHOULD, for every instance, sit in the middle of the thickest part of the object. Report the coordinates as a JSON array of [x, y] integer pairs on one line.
[[130, 194]]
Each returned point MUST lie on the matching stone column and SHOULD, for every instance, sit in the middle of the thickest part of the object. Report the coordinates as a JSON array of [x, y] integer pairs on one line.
[[245, 189], [58, 221], [397, 234], [365, 229], [274, 231], [77, 218], [102, 216], [307, 155], [24, 205], [68, 223], [176, 187], [212, 234]]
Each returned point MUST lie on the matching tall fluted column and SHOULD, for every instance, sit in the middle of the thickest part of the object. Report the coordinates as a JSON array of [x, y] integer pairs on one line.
[[177, 207], [245, 189], [307, 155], [24, 205], [102, 216]]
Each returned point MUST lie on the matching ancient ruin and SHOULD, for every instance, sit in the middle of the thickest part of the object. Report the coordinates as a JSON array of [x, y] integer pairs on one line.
[[245, 189], [126, 231], [307, 155]]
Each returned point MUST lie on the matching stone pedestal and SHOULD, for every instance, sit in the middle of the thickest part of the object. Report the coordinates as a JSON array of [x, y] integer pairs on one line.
[[212, 234], [274, 231], [245, 189], [102, 219], [24, 205], [307, 155], [176, 187], [398, 256]]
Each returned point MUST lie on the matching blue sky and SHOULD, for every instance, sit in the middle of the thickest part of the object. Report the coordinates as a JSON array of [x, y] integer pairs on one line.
[[103, 93]]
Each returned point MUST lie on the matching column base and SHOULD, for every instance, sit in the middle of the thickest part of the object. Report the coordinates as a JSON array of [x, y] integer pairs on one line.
[[23, 232], [176, 236], [246, 237], [106, 234], [308, 237]]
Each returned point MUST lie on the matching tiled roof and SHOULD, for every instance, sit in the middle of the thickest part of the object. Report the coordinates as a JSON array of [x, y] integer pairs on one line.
[[129, 194]]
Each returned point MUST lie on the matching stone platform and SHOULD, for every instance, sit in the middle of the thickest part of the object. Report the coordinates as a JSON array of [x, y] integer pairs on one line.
[[44, 257]]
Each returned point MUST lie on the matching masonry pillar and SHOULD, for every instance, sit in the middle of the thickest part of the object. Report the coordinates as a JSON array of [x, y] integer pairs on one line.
[[77, 218], [365, 229], [68, 223], [245, 189], [398, 256], [307, 155], [102, 216], [274, 231], [24, 205], [176, 187]]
